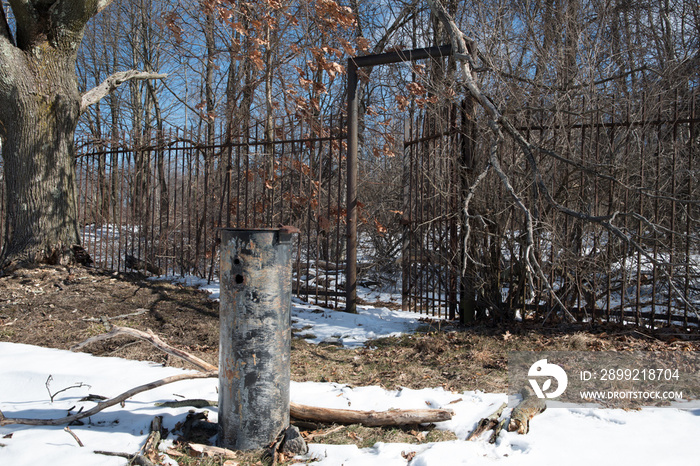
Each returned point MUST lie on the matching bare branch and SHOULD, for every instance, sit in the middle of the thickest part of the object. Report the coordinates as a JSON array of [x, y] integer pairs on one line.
[[106, 404], [467, 215], [108, 86], [102, 4], [152, 338]]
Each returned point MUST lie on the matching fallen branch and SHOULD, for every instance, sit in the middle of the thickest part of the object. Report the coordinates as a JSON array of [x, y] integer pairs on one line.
[[394, 417], [137, 459], [106, 404], [194, 403], [152, 338], [529, 407], [487, 423], [150, 448], [497, 430]]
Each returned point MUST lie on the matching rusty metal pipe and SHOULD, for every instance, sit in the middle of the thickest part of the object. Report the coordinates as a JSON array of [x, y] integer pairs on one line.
[[255, 336]]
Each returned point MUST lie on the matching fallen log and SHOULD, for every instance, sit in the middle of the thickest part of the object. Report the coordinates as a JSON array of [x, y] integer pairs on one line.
[[529, 407], [394, 417]]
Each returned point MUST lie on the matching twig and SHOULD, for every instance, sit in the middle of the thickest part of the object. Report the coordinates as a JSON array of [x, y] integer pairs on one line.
[[106, 404], [68, 429], [122, 316], [333, 430], [48, 382]]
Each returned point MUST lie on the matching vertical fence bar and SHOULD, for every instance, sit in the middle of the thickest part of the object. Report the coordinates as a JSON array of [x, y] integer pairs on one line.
[[691, 153]]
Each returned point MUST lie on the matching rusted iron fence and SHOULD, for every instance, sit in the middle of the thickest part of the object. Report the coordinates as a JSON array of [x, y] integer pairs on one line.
[[629, 252], [159, 207]]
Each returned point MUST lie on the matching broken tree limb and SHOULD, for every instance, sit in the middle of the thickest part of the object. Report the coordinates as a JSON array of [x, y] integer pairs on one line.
[[487, 423], [343, 416], [394, 417], [107, 86], [106, 404], [152, 338], [529, 407]]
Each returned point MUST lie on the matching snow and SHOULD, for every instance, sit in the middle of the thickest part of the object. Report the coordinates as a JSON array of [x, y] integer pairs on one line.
[[572, 436]]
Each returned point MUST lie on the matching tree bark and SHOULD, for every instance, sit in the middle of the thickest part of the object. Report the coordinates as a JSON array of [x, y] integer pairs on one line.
[[39, 110]]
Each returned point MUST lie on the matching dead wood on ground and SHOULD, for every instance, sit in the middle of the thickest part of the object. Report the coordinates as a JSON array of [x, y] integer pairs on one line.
[[529, 407]]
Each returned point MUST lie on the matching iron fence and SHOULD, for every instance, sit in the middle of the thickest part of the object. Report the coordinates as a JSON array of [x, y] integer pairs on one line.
[[616, 209], [158, 207]]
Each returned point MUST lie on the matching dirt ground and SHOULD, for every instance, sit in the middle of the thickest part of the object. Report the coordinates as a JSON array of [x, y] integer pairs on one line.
[[59, 307]]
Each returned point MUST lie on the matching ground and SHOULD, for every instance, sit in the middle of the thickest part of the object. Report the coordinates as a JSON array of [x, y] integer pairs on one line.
[[59, 307]]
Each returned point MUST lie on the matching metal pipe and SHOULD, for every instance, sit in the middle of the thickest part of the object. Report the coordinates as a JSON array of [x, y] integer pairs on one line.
[[255, 336], [402, 56], [351, 262]]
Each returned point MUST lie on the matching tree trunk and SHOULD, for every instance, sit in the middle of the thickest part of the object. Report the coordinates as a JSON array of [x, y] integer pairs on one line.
[[39, 114]]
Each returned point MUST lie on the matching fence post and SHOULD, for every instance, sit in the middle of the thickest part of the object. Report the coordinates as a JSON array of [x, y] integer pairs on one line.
[[255, 336]]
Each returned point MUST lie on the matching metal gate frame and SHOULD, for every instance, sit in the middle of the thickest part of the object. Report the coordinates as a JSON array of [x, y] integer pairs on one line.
[[354, 64]]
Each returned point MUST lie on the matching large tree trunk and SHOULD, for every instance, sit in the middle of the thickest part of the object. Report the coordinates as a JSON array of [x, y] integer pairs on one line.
[[39, 113]]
